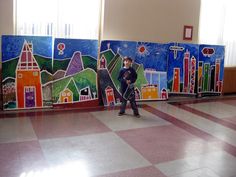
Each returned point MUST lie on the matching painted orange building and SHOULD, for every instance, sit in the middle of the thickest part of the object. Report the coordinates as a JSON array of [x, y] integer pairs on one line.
[[28, 79], [66, 96], [176, 80], [149, 92]]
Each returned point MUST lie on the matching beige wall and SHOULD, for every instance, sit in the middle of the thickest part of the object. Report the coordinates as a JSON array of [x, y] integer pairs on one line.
[[150, 20], [6, 20], [6, 17]]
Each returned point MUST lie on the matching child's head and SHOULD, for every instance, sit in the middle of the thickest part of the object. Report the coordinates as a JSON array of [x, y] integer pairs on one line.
[[127, 61]]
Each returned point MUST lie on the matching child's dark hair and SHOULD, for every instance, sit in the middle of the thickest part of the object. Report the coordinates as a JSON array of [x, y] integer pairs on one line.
[[128, 58]]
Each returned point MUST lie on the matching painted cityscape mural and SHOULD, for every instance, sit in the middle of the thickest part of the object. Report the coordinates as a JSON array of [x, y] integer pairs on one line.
[[182, 69], [27, 71], [210, 70], [150, 63], [75, 72], [32, 79]]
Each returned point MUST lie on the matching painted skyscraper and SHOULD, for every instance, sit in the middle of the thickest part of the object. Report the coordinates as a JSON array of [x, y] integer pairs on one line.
[[192, 74], [212, 78], [186, 71], [206, 77], [217, 75], [200, 75]]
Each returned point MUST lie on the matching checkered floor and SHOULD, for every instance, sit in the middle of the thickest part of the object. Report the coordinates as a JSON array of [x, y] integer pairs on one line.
[[178, 139]]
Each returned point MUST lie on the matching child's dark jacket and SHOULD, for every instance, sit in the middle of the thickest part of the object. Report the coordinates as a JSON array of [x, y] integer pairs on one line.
[[124, 75]]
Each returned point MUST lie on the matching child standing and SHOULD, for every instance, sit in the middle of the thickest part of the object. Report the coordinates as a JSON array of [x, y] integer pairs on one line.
[[127, 77]]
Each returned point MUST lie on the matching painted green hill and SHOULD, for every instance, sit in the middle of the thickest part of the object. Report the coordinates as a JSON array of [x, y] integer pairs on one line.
[[89, 62], [141, 80], [113, 62], [44, 63], [135, 66], [82, 79], [72, 87], [60, 65], [115, 72], [9, 67], [109, 55], [46, 77]]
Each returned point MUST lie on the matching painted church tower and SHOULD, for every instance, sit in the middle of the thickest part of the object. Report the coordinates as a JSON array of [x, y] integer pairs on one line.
[[28, 79]]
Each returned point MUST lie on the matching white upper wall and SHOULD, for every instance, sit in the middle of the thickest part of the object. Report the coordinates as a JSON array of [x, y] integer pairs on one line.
[[150, 20]]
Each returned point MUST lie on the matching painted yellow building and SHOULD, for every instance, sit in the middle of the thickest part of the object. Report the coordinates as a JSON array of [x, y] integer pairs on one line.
[[149, 92], [66, 96]]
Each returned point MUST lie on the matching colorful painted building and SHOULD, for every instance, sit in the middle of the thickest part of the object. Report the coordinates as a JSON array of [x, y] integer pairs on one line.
[[103, 62], [200, 75], [66, 96], [164, 94], [186, 71], [110, 98], [217, 74], [28, 79], [150, 91], [85, 94], [176, 80], [212, 78], [192, 74], [206, 76]]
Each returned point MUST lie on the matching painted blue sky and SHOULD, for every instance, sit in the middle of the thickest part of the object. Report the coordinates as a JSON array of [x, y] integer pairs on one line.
[[219, 54], [126, 48], [12, 45], [151, 55], [86, 47], [155, 57], [178, 62]]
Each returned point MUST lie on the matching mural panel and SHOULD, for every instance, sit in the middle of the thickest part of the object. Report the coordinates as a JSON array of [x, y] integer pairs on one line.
[[75, 72], [150, 63], [27, 72], [210, 70], [182, 69]]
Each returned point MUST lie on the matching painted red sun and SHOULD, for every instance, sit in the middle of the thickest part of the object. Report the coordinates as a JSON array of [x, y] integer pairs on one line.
[[142, 50]]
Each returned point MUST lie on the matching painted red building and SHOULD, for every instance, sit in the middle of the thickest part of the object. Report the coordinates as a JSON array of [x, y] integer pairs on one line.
[[164, 94], [217, 75], [192, 74], [110, 98], [186, 71], [103, 62]]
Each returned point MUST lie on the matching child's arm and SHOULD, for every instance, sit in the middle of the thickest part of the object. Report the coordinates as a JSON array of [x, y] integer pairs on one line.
[[134, 76]]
